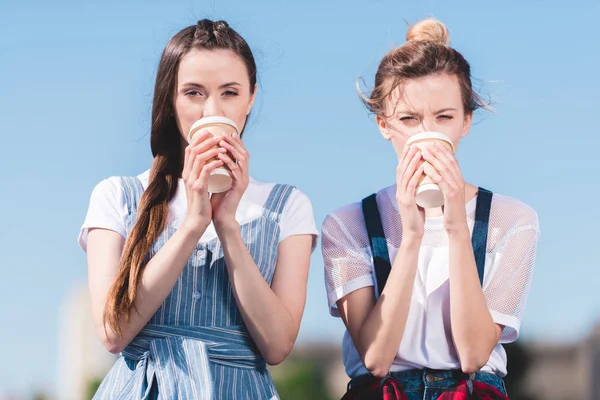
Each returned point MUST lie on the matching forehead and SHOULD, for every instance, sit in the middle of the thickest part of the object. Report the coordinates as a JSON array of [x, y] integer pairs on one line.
[[432, 92], [212, 66]]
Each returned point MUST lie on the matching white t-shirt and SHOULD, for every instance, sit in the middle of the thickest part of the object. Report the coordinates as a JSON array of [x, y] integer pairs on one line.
[[427, 341], [108, 209]]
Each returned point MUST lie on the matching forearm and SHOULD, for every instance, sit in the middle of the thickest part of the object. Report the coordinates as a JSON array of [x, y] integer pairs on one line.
[[269, 322], [158, 279], [475, 333], [382, 331]]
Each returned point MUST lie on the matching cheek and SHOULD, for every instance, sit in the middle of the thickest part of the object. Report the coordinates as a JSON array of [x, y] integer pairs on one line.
[[237, 111], [454, 129], [186, 114], [398, 142]]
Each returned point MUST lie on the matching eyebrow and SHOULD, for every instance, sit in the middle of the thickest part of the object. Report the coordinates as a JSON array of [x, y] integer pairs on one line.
[[198, 85], [444, 110], [408, 112]]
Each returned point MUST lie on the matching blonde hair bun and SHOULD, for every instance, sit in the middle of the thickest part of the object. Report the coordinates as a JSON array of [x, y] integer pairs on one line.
[[430, 30]]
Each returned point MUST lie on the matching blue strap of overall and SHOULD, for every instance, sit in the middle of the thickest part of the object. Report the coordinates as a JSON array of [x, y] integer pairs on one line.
[[381, 257]]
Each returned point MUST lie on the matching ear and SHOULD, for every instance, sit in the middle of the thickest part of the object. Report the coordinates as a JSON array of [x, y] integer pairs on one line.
[[383, 127], [252, 98], [467, 124]]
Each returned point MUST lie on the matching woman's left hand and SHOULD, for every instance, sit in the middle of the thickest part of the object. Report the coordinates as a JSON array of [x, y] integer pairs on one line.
[[444, 171], [224, 205]]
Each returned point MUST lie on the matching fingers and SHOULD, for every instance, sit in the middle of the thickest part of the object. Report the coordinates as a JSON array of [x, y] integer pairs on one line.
[[200, 160], [200, 138], [448, 158], [204, 145], [441, 175], [235, 169], [411, 186], [236, 147], [407, 156], [202, 181], [239, 171], [411, 169], [199, 144], [443, 163]]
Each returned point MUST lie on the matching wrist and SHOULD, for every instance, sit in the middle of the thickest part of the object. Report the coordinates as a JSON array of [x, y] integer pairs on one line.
[[227, 229], [194, 229], [411, 239], [458, 231]]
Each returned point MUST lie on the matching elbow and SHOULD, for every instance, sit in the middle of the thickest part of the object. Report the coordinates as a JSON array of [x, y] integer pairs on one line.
[[377, 365], [276, 354], [111, 342], [472, 363], [276, 357], [112, 346]]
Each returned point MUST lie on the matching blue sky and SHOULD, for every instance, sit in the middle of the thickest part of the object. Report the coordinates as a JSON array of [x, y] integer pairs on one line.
[[76, 85]]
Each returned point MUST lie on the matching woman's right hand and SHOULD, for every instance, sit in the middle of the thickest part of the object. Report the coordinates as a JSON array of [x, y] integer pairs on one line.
[[200, 160], [408, 175]]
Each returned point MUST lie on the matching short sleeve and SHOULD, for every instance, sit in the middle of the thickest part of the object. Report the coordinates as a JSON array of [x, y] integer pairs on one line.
[[107, 210], [297, 217], [348, 263], [507, 290]]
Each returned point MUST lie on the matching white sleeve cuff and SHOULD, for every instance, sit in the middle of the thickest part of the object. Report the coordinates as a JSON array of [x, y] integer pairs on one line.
[[512, 326], [344, 290], [83, 233]]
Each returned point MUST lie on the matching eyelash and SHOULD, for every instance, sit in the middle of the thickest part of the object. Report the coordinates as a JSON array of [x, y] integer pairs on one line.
[[192, 93], [408, 118], [196, 93]]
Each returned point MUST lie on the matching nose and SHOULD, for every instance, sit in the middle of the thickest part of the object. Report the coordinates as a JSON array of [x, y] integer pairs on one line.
[[423, 126], [212, 107]]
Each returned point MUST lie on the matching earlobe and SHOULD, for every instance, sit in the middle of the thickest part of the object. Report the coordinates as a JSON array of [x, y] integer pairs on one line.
[[467, 124], [383, 127], [252, 98]]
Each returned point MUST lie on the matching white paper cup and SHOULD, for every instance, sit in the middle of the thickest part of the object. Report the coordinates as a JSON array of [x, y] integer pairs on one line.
[[429, 194], [220, 179]]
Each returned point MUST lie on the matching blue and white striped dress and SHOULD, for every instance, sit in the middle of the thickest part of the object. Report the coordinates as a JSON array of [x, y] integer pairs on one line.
[[196, 345]]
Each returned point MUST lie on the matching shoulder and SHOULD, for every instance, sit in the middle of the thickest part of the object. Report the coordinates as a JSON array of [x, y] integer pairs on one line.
[[108, 188], [116, 190], [352, 213], [510, 213], [349, 221], [511, 218], [293, 198]]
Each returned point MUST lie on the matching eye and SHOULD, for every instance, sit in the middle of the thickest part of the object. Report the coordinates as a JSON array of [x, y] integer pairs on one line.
[[230, 93], [447, 117], [407, 118], [193, 93]]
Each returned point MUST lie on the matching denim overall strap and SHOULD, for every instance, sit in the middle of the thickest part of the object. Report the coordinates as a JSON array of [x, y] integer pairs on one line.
[[133, 190], [273, 207], [381, 257], [480, 229]]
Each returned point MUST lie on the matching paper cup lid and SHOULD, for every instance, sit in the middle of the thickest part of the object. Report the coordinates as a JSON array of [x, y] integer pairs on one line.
[[213, 120], [429, 135]]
